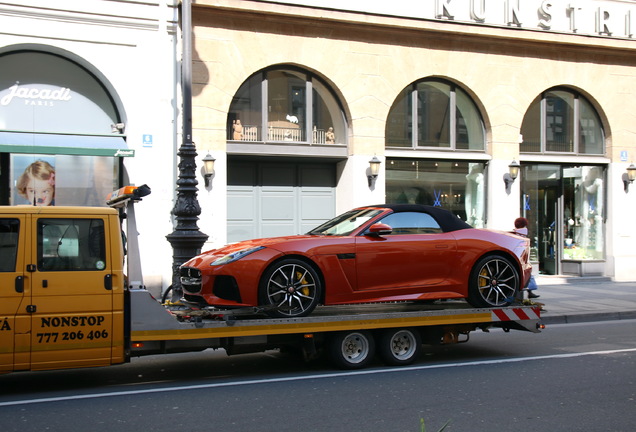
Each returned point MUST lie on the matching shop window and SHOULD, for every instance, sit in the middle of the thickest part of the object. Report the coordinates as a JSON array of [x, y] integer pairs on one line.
[[46, 180], [562, 121], [435, 114], [583, 224], [286, 106], [457, 186]]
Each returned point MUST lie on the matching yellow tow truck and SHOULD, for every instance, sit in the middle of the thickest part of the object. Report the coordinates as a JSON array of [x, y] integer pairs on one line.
[[67, 302]]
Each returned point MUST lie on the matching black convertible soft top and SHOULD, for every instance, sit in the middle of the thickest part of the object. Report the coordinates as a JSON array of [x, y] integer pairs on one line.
[[446, 220]]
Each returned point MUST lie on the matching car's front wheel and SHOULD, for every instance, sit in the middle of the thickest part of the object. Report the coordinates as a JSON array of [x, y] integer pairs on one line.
[[290, 288], [494, 282]]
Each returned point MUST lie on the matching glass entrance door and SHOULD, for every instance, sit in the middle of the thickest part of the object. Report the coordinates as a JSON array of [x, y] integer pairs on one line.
[[542, 203], [564, 205]]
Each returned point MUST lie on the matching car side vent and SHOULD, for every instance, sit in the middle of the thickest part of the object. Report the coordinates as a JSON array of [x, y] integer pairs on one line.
[[225, 287]]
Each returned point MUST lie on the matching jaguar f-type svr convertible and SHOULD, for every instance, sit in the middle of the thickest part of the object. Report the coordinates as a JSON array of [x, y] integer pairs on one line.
[[380, 253]]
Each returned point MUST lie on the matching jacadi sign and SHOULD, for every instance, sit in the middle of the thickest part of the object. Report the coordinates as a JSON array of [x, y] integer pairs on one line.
[[35, 95]]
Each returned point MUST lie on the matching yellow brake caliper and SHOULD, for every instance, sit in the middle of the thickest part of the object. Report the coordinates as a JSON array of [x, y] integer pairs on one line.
[[483, 280], [304, 289]]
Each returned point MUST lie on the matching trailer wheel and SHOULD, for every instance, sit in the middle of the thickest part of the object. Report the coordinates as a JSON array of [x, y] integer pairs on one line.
[[494, 282], [398, 347], [292, 287], [352, 350]]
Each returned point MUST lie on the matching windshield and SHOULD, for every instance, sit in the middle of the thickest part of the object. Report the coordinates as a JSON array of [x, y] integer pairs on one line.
[[346, 223]]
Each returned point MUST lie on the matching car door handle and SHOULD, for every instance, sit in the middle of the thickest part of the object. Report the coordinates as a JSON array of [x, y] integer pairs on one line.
[[441, 246], [108, 282], [19, 284]]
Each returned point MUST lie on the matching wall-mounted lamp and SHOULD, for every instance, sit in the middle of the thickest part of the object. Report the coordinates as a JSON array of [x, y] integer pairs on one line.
[[512, 174], [117, 128], [374, 169], [629, 177], [208, 168]]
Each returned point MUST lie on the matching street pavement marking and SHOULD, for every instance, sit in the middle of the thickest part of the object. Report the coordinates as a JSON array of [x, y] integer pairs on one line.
[[310, 377]]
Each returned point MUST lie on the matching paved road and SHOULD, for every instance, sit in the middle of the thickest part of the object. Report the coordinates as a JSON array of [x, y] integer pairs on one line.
[[574, 377], [578, 376]]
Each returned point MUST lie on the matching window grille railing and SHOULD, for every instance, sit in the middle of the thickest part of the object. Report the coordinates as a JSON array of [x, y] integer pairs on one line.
[[252, 133]]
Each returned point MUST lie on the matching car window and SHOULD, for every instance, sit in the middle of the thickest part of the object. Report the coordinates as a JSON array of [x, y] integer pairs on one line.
[[411, 223], [346, 223]]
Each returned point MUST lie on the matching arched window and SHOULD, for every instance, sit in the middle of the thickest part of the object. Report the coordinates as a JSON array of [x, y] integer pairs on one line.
[[562, 121], [286, 105], [435, 114]]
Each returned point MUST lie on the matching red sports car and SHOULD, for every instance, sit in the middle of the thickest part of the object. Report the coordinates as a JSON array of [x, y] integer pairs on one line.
[[377, 253]]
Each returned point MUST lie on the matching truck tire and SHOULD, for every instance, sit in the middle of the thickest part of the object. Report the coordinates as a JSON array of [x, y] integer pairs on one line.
[[351, 350], [399, 347], [494, 282]]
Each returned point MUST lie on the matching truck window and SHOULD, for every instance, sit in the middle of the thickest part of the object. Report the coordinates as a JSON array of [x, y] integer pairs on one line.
[[71, 244], [9, 229]]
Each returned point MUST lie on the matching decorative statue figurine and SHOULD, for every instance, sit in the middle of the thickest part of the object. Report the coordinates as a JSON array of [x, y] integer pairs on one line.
[[330, 137], [238, 130]]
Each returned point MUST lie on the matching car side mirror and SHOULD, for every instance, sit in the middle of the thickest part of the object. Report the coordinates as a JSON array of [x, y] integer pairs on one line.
[[379, 229]]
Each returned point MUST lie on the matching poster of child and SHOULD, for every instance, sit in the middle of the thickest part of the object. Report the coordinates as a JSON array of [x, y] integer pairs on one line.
[[36, 184]]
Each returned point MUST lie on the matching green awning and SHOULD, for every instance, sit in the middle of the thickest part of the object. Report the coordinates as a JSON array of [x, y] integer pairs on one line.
[[85, 145]]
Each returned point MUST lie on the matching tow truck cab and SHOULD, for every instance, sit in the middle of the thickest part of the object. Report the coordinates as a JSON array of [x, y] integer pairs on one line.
[[61, 288]]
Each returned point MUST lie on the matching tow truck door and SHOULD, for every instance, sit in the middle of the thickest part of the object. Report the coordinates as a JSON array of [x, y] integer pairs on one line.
[[15, 325], [72, 291]]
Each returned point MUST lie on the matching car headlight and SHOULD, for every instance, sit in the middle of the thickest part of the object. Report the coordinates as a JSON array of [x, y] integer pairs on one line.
[[234, 256]]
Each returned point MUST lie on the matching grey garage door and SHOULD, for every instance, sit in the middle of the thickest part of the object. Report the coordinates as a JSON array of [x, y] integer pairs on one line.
[[268, 199]]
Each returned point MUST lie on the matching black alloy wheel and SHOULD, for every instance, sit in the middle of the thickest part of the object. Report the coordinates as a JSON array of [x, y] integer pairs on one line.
[[494, 282], [292, 287]]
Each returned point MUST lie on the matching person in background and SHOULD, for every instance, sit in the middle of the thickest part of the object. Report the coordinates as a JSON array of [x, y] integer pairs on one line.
[[521, 228], [37, 184]]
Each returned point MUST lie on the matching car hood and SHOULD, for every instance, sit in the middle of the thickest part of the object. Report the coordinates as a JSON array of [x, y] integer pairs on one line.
[[271, 242]]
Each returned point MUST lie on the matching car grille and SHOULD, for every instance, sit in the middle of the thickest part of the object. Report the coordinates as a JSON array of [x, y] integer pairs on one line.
[[190, 280]]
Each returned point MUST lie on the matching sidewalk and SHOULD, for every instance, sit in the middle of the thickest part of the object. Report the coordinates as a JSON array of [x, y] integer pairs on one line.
[[571, 300]]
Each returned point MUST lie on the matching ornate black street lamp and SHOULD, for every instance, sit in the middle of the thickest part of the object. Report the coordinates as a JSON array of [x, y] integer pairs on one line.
[[186, 239]]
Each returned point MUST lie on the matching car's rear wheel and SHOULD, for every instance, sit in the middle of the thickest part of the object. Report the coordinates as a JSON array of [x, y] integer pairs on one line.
[[290, 288], [398, 347], [494, 282], [351, 350]]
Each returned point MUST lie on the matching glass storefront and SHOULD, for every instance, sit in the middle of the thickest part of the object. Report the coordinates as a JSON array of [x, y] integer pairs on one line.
[[565, 207], [457, 186], [564, 204]]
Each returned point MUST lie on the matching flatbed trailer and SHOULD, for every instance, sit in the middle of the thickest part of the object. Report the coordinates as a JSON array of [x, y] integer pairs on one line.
[[350, 335], [66, 302]]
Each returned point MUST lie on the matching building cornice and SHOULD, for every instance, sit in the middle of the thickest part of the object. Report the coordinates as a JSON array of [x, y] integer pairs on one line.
[[440, 27]]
